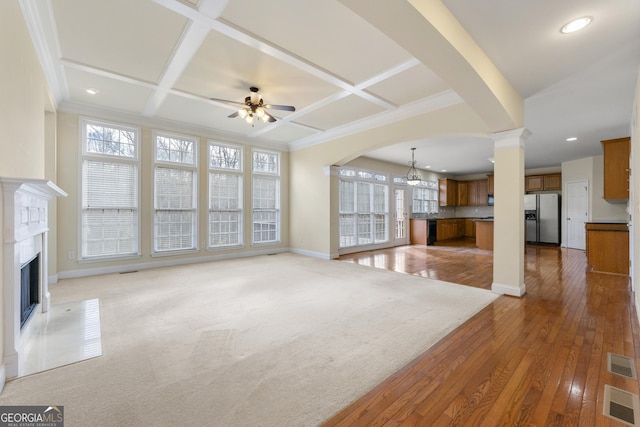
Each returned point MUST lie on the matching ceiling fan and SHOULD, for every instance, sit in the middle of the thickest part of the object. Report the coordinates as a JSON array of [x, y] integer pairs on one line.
[[254, 107]]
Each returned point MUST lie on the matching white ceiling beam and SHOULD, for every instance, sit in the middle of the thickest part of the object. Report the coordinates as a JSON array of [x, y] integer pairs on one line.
[[44, 36]]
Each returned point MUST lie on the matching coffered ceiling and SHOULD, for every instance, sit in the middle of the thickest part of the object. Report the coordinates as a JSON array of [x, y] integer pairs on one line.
[[345, 72]]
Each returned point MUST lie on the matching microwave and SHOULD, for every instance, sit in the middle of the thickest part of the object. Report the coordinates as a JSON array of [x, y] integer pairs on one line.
[[490, 200]]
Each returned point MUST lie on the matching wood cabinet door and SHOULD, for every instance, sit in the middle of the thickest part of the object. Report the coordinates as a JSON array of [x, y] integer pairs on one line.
[[447, 192], [460, 227], [553, 181], [490, 181], [482, 192], [463, 193], [469, 227], [473, 193], [616, 168], [534, 183]]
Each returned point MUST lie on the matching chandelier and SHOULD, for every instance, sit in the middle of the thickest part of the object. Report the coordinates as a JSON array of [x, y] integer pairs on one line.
[[413, 177]]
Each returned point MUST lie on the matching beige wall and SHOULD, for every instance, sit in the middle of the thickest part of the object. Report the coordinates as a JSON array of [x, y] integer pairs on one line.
[[69, 149], [22, 109]]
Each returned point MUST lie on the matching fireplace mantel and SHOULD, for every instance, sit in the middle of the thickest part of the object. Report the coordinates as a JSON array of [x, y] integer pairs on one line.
[[25, 232]]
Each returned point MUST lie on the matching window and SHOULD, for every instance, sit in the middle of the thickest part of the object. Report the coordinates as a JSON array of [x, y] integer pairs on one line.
[[425, 197], [109, 197], [266, 197], [175, 201], [364, 208], [225, 195]]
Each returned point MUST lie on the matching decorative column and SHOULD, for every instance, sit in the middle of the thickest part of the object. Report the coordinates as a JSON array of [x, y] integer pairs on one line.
[[508, 227]]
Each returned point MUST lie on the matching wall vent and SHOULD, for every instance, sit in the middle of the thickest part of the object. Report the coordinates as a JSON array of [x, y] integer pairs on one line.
[[621, 406], [621, 365]]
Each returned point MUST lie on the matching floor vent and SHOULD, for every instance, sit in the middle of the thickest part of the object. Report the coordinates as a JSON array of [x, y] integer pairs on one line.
[[621, 406], [621, 365]]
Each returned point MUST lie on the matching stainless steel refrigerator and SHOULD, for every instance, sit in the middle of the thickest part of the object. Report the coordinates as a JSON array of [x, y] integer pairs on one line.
[[542, 218]]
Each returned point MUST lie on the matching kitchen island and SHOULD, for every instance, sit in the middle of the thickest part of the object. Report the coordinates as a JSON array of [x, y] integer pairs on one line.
[[608, 247]]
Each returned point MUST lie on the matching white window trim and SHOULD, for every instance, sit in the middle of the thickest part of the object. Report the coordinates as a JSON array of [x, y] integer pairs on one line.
[[239, 172], [174, 165], [82, 155]]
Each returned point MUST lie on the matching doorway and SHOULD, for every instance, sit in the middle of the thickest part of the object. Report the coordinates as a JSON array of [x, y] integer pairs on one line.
[[577, 197]]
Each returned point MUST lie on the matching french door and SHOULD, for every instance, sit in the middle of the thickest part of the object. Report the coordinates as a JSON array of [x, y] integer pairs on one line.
[[401, 217]]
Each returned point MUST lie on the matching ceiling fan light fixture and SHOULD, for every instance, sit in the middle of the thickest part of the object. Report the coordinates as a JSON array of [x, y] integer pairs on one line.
[[242, 113], [576, 25], [413, 177]]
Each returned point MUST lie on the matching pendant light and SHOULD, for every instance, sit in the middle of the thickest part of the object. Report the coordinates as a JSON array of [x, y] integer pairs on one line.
[[413, 177]]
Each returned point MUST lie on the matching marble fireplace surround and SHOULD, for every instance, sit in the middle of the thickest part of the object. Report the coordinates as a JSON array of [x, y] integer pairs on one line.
[[25, 236]]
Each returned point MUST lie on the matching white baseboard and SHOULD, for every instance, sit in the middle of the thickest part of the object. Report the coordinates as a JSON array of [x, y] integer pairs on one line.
[[314, 254], [70, 274]]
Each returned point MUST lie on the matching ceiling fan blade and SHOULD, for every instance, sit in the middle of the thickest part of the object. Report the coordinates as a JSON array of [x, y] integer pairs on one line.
[[226, 101], [232, 115], [271, 118], [281, 107]]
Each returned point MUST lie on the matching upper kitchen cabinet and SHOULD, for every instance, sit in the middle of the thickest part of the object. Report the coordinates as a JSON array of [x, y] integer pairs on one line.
[[616, 169], [490, 180], [533, 183], [448, 192], [463, 193], [552, 181], [545, 182]]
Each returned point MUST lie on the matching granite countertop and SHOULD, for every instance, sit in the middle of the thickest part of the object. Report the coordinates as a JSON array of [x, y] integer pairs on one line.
[[483, 219], [608, 221]]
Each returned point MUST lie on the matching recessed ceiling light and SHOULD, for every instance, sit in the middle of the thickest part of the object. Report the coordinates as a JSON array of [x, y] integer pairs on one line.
[[92, 91], [576, 24], [571, 139], [428, 167], [443, 170], [491, 160]]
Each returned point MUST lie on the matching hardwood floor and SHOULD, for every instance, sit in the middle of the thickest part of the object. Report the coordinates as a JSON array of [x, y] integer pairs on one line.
[[539, 360]]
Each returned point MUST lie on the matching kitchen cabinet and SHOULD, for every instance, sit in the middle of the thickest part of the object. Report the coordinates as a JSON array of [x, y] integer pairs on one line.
[[418, 231], [616, 169], [469, 227], [447, 192], [552, 181], [451, 228], [484, 234], [534, 183], [463, 193], [472, 193], [490, 181], [482, 192], [608, 247], [544, 182]]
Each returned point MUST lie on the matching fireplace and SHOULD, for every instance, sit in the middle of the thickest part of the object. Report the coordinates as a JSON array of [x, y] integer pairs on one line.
[[29, 289], [25, 273]]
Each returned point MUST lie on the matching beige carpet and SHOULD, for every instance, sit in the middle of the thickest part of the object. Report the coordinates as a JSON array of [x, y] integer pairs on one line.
[[281, 340]]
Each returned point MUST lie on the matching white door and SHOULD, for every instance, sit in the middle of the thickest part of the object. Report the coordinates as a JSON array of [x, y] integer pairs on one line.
[[577, 198], [401, 217]]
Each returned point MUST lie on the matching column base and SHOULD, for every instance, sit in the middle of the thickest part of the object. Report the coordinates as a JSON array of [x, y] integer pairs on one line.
[[512, 290]]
